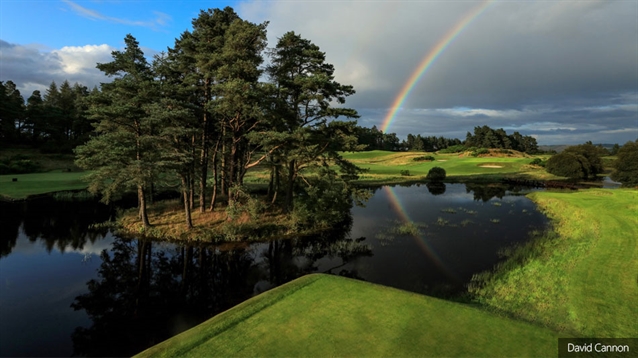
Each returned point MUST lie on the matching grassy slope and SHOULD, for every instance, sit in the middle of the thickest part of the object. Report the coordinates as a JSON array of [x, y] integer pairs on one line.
[[585, 281], [388, 165], [322, 315], [39, 183]]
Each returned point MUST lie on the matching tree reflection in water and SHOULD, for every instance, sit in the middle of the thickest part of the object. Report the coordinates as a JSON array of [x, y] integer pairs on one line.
[[147, 291], [55, 223]]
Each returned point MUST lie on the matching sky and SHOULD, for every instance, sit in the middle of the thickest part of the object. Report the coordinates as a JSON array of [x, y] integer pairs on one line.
[[565, 72]]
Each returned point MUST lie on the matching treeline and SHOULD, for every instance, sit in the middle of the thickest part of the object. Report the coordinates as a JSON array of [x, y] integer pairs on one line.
[[483, 137], [53, 122], [486, 137], [199, 115], [375, 139]]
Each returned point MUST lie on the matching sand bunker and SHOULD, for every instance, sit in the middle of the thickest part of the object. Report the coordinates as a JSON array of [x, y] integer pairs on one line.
[[490, 166], [442, 160]]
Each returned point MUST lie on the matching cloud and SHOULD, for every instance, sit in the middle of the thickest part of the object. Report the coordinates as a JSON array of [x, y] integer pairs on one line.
[[567, 62], [161, 19], [32, 68]]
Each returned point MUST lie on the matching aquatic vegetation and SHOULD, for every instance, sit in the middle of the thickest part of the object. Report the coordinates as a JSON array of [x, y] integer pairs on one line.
[[496, 203], [466, 222], [442, 222], [449, 211], [495, 221]]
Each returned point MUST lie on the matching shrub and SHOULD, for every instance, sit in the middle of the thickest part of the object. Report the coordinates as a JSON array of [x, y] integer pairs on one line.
[[453, 149], [569, 165], [405, 173], [537, 161], [626, 166], [592, 154], [436, 174], [18, 165], [4, 169], [427, 158], [480, 151]]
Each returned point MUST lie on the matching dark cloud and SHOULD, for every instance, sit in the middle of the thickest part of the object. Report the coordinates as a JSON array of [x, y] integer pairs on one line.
[[530, 66]]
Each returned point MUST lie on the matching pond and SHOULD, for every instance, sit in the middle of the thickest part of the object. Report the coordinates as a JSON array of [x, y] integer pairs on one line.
[[67, 289]]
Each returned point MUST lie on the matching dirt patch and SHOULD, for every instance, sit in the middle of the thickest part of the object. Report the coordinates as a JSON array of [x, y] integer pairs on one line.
[[442, 160], [490, 166]]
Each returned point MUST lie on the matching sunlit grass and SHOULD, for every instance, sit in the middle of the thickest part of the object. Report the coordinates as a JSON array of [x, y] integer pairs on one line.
[[168, 220], [582, 277], [387, 166], [323, 315]]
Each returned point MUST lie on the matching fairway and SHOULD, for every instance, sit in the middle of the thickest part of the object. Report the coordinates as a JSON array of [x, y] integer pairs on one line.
[[40, 183], [387, 166], [323, 315]]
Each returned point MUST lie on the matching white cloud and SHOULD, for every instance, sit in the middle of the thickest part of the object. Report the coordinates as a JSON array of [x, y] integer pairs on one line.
[[31, 68], [79, 59], [161, 19]]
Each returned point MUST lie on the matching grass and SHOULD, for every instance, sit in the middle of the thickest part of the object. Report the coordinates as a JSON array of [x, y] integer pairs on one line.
[[168, 222], [386, 167], [39, 183], [582, 278], [323, 315]]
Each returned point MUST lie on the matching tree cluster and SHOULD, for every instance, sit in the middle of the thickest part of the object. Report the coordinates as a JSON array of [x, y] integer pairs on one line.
[[55, 122], [374, 139], [486, 137], [578, 162], [626, 166], [201, 107]]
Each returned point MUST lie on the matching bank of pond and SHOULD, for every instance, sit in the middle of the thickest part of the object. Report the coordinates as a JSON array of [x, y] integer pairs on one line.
[[71, 287]]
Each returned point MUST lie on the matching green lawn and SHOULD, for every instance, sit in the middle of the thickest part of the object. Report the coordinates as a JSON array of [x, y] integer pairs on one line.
[[387, 166], [584, 282], [40, 183], [323, 315]]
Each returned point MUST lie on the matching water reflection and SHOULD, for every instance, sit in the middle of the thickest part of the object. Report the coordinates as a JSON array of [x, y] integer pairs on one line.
[[111, 296], [436, 188], [146, 292], [61, 224]]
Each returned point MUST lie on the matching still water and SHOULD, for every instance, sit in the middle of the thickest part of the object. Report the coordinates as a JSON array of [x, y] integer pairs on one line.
[[67, 290]]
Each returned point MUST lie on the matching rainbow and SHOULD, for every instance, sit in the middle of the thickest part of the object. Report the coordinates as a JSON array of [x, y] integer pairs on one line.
[[419, 239], [428, 60]]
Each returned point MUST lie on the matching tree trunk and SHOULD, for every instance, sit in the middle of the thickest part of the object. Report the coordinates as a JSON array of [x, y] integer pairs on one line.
[[142, 203], [187, 204], [231, 168], [290, 185], [275, 184], [203, 159], [215, 176]]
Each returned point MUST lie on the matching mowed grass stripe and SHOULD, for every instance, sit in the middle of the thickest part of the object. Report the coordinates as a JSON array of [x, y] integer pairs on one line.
[[335, 316]]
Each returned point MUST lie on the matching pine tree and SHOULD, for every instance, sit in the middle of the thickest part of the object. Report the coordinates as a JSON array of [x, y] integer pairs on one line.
[[125, 151], [305, 92]]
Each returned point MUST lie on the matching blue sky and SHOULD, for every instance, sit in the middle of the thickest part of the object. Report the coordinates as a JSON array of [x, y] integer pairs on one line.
[[563, 71]]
